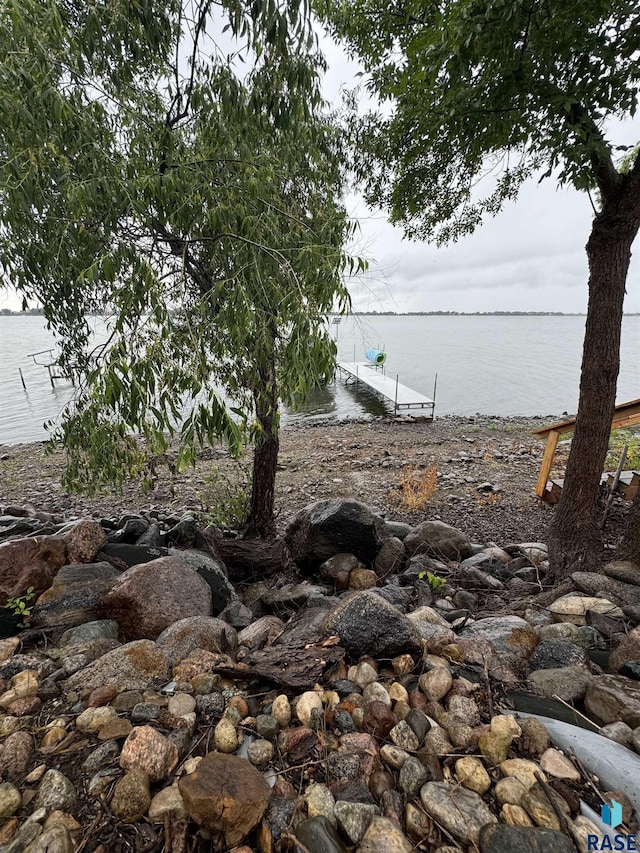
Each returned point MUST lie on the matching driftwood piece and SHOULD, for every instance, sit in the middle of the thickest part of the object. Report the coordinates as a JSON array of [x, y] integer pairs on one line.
[[296, 665], [252, 559]]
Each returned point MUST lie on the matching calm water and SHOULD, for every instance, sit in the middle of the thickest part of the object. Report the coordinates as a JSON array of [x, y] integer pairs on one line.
[[492, 365]]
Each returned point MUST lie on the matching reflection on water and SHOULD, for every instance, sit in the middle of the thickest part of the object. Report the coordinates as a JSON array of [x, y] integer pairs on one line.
[[337, 400]]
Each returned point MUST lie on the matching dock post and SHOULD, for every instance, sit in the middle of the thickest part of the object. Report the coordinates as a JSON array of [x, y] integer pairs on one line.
[[395, 402], [22, 378]]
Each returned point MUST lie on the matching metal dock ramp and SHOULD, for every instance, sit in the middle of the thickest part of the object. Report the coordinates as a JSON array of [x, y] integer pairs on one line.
[[404, 399]]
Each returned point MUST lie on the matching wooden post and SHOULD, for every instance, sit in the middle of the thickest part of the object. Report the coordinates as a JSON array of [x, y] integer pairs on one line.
[[547, 462]]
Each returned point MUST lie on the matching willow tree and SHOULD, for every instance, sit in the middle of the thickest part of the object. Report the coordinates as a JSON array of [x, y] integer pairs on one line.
[[142, 175], [511, 90]]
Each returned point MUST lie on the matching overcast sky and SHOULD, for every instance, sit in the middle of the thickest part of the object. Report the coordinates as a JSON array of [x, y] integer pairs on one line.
[[529, 258]]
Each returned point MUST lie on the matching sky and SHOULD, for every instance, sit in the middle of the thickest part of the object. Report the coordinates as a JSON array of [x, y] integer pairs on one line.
[[530, 257]]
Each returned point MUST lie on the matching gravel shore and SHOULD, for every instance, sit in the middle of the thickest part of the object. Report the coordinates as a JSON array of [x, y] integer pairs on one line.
[[365, 460]]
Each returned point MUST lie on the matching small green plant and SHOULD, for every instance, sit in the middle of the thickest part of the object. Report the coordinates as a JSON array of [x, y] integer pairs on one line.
[[225, 498], [19, 607], [434, 581]]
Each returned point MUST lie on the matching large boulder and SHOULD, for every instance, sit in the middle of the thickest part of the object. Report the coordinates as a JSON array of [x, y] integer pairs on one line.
[[325, 528], [149, 597], [512, 639], [226, 795], [214, 573], [30, 562], [73, 597], [573, 608], [129, 667], [439, 539], [197, 632], [368, 625]]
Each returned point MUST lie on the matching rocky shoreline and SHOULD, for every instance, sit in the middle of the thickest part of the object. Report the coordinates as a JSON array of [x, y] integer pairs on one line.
[[164, 699]]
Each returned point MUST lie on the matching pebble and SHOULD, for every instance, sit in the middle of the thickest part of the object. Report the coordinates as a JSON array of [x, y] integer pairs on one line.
[[436, 683], [403, 737], [93, 719], [524, 771], [9, 800], [470, 772], [376, 692], [268, 726], [319, 835], [309, 705], [354, 818], [147, 749], [225, 736], [320, 802], [384, 836], [131, 796], [393, 756], [167, 803], [515, 815], [281, 712], [55, 792], [260, 752], [553, 762], [412, 776]]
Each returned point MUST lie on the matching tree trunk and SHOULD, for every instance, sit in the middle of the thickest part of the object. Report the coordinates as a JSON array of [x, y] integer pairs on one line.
[[574, 539], [629, 548], [261, 519]]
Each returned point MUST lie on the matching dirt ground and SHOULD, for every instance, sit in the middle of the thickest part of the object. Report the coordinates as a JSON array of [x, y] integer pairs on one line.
[[366, 460]]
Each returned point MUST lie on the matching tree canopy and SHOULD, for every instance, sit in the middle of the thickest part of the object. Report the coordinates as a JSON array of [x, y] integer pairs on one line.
[[145, 173], [505, 90], [483, 88]]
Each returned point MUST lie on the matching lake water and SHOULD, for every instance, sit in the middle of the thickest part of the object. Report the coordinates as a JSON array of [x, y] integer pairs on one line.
[[492, 365]]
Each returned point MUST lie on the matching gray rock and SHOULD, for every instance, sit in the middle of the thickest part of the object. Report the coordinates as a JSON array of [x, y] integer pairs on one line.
[[319, 836], [307, 625], [554, 654], [511, 637], [476, 578], [368, 625], [461, 812], [568, 683], [323, 529], [184, 533], [499, 838], [384, 836], [55, 792], [101, 629], [291, 597], [197, 632], [397, 529], [214, 573], [150, 597], [74, 594], [129, 667], [623, 570], [592, 583], [614, 697], [354, 818], [412, 776], [440, 539]]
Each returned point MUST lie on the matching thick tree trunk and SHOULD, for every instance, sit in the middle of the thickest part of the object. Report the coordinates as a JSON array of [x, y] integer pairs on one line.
[[574, 539], [629, 548]]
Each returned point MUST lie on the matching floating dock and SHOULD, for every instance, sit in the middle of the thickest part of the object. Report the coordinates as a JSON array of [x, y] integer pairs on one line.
[[404, 399]]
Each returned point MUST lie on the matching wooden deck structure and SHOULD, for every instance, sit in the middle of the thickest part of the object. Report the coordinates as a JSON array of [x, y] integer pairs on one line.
[[404, 399], [626, 414]]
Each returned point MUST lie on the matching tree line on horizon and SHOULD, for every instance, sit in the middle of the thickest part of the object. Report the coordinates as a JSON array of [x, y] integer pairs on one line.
[[142, 167]]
